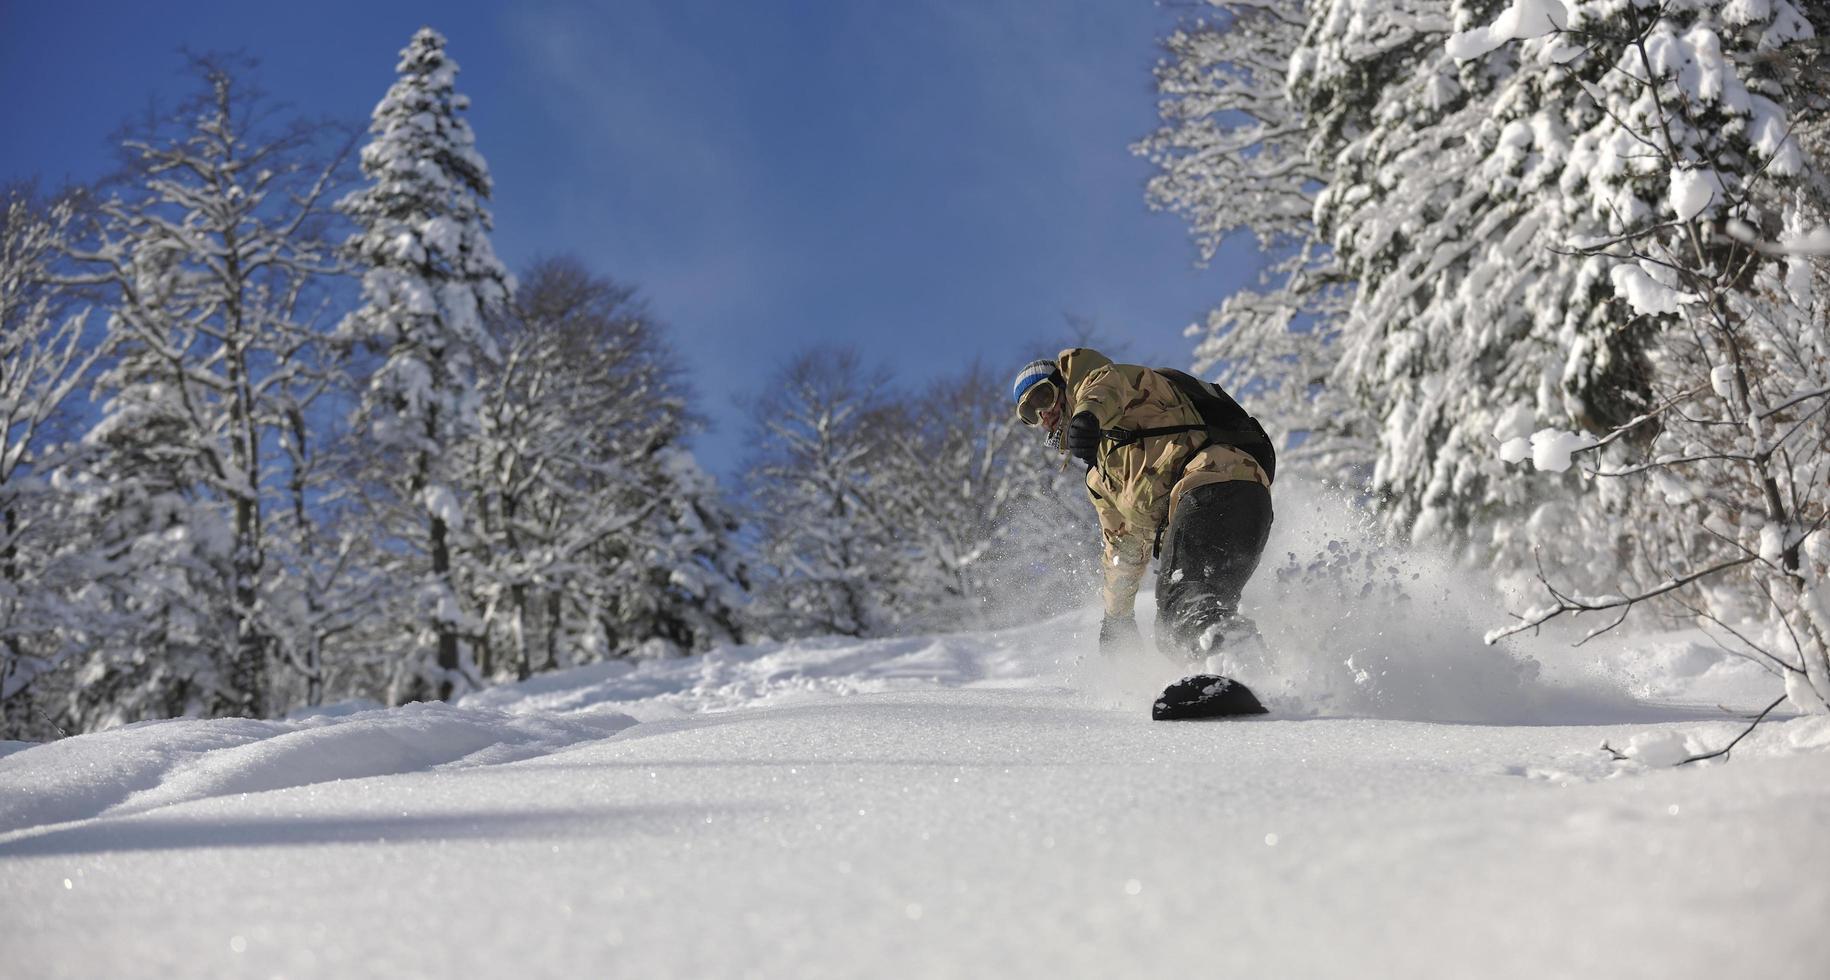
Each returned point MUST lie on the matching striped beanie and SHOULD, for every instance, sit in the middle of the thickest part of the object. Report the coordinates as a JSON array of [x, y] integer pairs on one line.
[[1034, 371]]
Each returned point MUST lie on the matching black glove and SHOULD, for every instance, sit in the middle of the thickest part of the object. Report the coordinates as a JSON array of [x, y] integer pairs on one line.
[[1118, 634], [1083, 437]]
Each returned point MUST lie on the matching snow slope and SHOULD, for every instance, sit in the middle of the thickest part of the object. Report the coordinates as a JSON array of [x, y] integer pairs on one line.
[[970, 804]]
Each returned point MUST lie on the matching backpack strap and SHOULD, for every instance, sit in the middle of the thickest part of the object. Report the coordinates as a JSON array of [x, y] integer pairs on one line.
[[1125, 437], [1243, 440], [1231, 437]]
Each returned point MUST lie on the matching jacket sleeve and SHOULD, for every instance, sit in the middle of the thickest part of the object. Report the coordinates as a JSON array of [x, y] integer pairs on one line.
[[1104, 393], [1134, 486], [1126, 554]]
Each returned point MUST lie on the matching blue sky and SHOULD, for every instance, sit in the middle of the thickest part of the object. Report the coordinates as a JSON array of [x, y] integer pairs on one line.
[[931, 181]]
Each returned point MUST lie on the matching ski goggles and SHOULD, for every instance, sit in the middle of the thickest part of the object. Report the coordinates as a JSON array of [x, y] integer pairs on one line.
[[1038, 399]]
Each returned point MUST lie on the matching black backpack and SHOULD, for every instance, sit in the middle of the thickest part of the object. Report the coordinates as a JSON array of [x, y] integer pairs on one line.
[[1225, 422]]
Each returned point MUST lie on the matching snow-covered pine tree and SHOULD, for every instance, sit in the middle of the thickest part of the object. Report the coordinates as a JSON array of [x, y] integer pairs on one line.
[[429, 278], [212, 266], [1231, 157], [1460, 322], [1698, 146], [43, 364], [159, 622]]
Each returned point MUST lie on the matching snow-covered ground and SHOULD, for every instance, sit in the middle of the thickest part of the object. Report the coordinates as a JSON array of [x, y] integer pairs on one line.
[[977, 804]]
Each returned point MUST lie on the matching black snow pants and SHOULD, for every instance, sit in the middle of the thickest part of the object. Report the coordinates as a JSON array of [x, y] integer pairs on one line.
[[1210, 549]]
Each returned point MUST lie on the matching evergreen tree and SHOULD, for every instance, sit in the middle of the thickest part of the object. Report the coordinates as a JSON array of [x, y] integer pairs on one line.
[[1231, 156], [429, 278], [1454, 188], [1695, 145], [1463, 318], [691, 590], [1421, 302]]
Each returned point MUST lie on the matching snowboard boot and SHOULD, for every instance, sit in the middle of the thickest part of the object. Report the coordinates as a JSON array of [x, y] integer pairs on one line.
[[1227, 646]]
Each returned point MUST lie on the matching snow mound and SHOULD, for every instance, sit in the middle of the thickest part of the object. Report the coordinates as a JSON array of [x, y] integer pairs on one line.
[[1665, 748], [152, 764]]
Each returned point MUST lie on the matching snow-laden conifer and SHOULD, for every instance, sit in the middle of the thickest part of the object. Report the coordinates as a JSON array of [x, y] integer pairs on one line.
[[429, 278], [1231, 157], [1600, 246], [691, 588], [1694, 144], [1465, 311]]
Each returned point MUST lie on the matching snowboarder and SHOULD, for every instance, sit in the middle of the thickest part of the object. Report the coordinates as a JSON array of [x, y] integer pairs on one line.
[[1175, 469]]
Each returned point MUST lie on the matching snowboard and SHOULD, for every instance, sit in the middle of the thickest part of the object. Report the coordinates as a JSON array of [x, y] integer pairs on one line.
[[1205, 696]]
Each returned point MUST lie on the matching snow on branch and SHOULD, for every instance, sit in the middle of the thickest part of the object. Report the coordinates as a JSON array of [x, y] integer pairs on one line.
[[1567, 604], [1815, 242], [1550, 449], [1524, 19]]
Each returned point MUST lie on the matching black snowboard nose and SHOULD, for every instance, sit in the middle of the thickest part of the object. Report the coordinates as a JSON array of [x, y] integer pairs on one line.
[[1206, 696]]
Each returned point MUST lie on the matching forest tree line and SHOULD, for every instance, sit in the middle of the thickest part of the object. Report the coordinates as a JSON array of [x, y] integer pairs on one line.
[[1555, 296], [282, 430]]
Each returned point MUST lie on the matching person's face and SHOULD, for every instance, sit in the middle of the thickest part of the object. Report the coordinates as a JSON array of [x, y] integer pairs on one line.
[[1051, 416], [1041, 405]]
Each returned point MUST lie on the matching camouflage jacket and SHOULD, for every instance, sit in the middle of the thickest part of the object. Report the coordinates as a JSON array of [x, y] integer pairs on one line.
[[1134, 487]]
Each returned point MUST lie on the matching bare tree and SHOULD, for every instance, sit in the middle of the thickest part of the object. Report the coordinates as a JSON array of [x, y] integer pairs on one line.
[[43, 362], [822, 494], [975, 490], [214, 268], [582, 396], [881, 507], [1232, 157]]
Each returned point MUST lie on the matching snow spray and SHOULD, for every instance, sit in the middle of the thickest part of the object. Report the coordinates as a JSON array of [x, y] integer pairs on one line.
[[1357, 626]]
